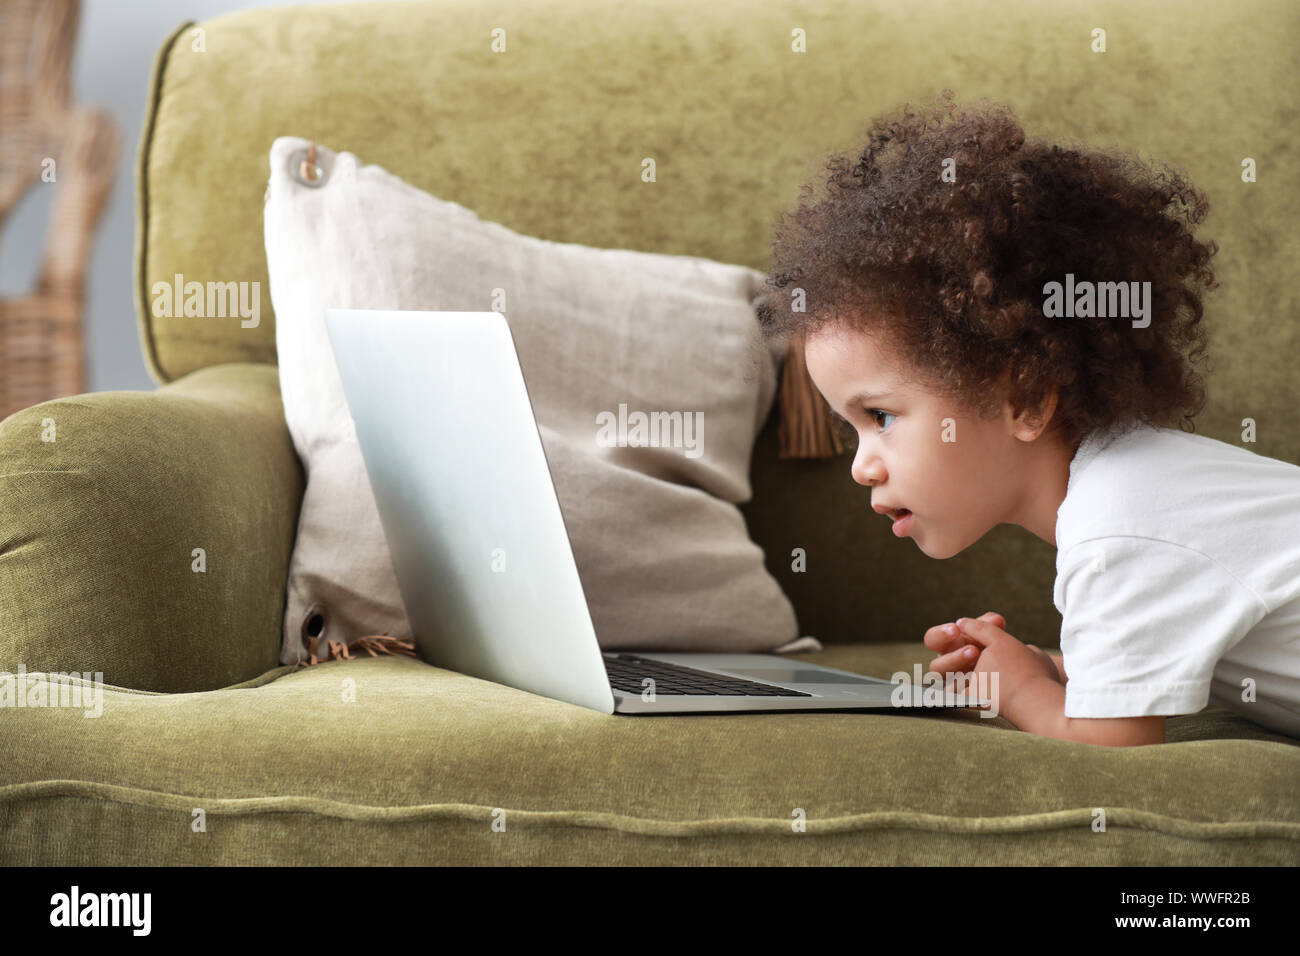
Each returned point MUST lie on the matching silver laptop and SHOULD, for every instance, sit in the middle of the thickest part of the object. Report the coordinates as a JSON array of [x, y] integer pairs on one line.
[[458, 469]]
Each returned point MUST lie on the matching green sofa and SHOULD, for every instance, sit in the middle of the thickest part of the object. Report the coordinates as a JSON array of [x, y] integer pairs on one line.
[[98, 529]]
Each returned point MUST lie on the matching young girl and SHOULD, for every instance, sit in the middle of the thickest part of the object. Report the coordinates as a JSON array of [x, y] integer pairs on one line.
[[1010, 328]]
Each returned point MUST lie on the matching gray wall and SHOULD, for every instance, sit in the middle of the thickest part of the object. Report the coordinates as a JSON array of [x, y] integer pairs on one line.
[[115, 53]]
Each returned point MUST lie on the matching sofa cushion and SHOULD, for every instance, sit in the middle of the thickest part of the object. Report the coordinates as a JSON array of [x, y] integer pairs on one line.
[[612, 342], [391, 761]]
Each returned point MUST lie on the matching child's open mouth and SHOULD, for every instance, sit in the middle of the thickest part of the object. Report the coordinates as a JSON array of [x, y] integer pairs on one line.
[[902, 522]]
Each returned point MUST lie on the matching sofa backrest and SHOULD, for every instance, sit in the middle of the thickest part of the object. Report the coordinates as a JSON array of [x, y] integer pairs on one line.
[[540, 118]]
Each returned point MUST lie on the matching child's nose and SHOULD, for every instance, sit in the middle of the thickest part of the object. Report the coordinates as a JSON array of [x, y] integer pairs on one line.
[[867, 468]]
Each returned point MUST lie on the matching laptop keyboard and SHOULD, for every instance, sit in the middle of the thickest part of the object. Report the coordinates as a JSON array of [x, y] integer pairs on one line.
[[626, 673]]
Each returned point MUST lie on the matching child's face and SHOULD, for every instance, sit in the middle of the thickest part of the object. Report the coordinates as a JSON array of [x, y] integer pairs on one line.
[[959, 474]]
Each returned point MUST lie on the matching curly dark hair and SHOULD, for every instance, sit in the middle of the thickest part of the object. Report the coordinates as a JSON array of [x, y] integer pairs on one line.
[[953, 273]]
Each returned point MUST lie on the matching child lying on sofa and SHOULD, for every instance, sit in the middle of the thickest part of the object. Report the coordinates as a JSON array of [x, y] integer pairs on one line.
[[1010, 329]]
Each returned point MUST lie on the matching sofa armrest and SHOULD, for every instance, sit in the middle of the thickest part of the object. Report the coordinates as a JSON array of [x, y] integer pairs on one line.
[[147, 535]]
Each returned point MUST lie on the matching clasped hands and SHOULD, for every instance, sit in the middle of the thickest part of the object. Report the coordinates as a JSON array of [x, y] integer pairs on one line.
[[975, 645]]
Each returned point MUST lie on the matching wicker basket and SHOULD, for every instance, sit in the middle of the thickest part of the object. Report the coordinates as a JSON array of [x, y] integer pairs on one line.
[[42, 350]]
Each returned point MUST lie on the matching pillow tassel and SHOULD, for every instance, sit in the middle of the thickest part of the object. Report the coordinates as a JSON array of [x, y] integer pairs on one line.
[[807, 430], [372, 644]]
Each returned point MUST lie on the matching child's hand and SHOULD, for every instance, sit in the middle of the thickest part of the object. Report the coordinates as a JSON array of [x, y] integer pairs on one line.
[[1015, 662], [957, 652]]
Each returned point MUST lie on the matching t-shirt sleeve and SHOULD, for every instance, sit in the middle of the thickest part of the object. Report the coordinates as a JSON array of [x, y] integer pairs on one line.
[[1144, 622]]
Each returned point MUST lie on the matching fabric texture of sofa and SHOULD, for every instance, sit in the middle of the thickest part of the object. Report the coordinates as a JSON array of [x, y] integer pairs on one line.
[[391, 760]]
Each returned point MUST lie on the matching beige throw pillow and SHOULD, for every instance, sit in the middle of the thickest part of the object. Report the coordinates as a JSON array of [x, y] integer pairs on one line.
[[602, 334]]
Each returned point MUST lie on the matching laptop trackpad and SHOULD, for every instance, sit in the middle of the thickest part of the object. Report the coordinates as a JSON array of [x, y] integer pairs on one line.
[[799, 675]]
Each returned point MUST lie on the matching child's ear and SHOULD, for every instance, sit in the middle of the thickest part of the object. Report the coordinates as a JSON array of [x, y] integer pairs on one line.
[[1028, 423]]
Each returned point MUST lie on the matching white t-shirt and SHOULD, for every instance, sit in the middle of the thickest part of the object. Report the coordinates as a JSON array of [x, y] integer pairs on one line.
[[1178, 577]]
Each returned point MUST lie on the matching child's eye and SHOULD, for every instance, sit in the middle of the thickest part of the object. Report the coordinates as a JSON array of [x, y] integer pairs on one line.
[[875, 414]]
